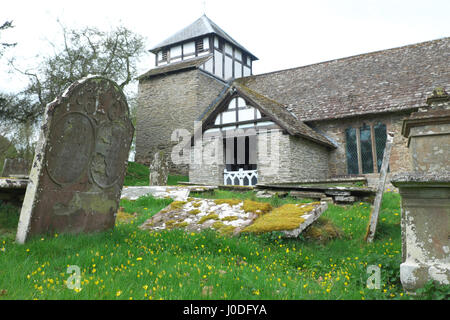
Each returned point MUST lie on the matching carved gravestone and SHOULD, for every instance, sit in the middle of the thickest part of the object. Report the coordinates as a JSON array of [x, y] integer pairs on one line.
[[80, 161], [15, 168], [159, 169]]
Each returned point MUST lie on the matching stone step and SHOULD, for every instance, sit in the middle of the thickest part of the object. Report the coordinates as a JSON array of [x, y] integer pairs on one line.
[[307, 194]]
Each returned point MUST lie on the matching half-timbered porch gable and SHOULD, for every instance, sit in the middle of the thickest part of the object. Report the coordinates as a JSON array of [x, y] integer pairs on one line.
[[242, 108]]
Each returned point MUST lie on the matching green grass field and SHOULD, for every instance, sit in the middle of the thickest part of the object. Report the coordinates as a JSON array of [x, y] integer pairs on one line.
[[138, 175], [129, 263]]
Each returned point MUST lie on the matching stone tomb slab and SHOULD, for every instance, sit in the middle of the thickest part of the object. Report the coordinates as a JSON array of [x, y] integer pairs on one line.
[[175, 193], [80, 161]]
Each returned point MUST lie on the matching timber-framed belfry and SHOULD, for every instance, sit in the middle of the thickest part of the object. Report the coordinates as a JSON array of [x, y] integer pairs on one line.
[[321, 121]]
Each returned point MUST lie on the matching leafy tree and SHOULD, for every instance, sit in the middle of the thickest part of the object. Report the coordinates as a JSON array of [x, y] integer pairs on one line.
[[85, 51], [7, 150]]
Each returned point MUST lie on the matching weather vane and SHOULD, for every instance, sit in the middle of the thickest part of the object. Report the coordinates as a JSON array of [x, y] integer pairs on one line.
[[204, 6]]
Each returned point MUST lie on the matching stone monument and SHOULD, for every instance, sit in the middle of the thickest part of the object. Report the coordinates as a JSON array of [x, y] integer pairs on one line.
[[80, 161], [426, 195], [159, 169]]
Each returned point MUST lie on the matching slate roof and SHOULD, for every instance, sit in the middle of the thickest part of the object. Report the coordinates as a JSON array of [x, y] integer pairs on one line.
[[200, 27], [176, 66], [383, 81], [274, 110]]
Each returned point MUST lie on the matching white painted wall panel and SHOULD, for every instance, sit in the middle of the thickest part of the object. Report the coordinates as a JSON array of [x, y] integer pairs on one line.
[[209, 65], [218, 63], [246, 114], [189, 47], [175, 51], [228, 117], [237, 54], [206, 43], [237, 69], [228, 68], [228, 49], [241, 102], [247, 71]]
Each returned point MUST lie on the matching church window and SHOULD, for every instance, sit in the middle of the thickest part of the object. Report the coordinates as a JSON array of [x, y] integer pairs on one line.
[[365, 148], [380, 142], [351, 151]]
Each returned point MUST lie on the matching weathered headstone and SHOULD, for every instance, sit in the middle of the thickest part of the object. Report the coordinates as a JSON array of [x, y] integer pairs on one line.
[[80, 161], [159, 169], [15, 168]]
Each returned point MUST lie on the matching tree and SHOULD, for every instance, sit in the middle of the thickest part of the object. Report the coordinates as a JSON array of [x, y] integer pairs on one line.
[[112, 54], [4, 99], [4, 45], [7, 150]]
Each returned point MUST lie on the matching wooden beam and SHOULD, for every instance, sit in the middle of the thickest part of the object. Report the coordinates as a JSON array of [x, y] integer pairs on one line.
[[371, 228], [358, 150], [374, 152]]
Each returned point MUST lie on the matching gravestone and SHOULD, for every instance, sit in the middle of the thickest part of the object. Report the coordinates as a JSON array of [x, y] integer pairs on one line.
[[80, 161], [15, 168], [159, 170]]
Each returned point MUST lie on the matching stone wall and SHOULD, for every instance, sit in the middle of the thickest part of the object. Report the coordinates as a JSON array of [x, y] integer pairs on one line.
[[288, 159], [296, 159], [170, 102], [209, 170], [335, 130]]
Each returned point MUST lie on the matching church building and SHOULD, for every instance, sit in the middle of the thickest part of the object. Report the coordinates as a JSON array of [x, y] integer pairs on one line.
[[319, 121]]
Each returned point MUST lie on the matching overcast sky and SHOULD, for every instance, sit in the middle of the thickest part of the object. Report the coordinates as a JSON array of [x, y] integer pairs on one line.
[[282, 33]]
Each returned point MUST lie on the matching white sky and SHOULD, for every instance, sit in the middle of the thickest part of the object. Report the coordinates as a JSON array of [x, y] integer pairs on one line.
[[282, 33]]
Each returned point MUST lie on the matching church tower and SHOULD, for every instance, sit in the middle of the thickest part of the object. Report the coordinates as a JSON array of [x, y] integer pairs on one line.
[[191, 68]]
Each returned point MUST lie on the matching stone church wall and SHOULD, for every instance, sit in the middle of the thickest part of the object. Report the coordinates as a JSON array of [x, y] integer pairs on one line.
[[296, 159], [170, 102], [335, 130]]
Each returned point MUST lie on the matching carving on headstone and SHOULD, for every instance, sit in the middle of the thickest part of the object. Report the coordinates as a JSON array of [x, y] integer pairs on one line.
[[159, 169], [80, 161]]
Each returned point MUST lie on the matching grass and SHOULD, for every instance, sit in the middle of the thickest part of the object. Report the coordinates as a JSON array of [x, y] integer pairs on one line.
[[138, 175], [129, 263]]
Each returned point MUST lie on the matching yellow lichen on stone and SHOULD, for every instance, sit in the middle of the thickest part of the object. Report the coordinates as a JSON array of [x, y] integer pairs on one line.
[[196, 204], [181, 225], [170, 224], [231, 202], [230, 218], [286, 217], [223, 228], [211, 216], [218, 225], [177, 204], [256, 207], [227, 229], [194, 211]]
